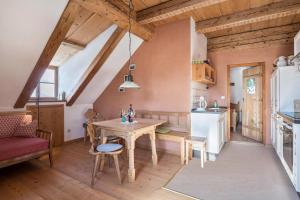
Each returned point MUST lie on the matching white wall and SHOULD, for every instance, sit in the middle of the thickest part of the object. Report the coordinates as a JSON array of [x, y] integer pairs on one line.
[[199, 52], [236, 77], [109, 70], [72, 71], [25, 29], [198, 43], [236, 91], [74, 118]]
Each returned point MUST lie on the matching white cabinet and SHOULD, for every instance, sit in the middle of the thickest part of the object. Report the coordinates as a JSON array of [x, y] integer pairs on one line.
[[275, 92], [273, 131], [213, 127], [297, 44], [279, 137]]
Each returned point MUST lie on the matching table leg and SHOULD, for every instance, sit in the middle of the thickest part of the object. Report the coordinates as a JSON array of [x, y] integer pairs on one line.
[[182, 149], [131, 169], [85, 134], [187, 149], [153, 147], [202, 158]]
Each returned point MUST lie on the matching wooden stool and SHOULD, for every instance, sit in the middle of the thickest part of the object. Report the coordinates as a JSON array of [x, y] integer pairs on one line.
[[199, 141]]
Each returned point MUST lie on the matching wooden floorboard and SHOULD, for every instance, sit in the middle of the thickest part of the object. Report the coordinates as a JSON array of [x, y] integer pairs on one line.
[[70, 178]]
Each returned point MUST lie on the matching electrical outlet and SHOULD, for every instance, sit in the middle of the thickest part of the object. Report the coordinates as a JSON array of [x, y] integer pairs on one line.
[[222, 97]]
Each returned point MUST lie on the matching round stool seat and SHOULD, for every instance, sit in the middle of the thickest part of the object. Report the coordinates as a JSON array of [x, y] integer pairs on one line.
[[108, 147]]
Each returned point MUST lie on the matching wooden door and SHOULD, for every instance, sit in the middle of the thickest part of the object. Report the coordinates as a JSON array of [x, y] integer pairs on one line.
[[252, 103], [51, 117]]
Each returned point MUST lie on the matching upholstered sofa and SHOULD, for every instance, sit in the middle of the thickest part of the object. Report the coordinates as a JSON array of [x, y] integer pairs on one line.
[[20, 140]]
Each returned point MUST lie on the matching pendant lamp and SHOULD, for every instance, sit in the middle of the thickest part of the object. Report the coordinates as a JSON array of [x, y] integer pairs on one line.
[[128, 80]]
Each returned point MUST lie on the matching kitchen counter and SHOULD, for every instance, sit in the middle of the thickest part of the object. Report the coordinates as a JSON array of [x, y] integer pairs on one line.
[[209, 111], [210, 124], [293, 117]]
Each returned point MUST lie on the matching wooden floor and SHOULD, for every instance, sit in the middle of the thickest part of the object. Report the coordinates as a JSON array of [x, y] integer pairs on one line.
[[71, 175]]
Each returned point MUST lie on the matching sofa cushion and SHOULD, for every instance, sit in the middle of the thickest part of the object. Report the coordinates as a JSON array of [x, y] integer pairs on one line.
[[8, 124], [12, 147], [26, 129]]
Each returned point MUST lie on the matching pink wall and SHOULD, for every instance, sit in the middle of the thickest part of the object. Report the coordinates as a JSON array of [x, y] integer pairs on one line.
[[221, 59], [163, 73]]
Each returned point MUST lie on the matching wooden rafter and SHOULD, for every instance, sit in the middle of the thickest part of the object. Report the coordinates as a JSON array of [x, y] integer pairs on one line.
[[257, 34], [255, 39], [260, 14], [56, 38], [111, 10], [172, 8], [98, 62]]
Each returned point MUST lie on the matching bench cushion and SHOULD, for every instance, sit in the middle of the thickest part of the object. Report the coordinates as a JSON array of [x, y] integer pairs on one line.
[[175, 134], [27, 129], [8, 124], [13, 147]]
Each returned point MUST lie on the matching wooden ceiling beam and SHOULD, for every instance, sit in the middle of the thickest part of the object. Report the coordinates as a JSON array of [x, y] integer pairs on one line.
[[254, 39], [97, 63], [265, 39], [112, 11], [73, 44], [172, 8], [58, 35], [251, 16], [262, 33], [255, 45]]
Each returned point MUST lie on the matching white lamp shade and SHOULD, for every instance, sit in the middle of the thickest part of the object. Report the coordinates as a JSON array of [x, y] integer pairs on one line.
[[129, 84]]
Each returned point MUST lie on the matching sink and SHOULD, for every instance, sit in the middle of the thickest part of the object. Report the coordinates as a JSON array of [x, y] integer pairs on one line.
[[213, 108], [200, 109]]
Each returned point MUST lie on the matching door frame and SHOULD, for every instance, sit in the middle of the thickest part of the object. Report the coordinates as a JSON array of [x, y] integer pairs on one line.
[[264, 95]]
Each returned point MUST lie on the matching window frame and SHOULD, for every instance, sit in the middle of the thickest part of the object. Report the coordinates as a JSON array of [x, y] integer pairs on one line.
[[55, 87]]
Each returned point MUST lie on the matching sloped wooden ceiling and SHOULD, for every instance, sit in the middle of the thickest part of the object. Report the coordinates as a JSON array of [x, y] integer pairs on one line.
[[86, 27], [218, 18], [258, 22]]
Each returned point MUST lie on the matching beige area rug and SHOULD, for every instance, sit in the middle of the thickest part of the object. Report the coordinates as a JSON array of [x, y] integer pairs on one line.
[[242, 171]]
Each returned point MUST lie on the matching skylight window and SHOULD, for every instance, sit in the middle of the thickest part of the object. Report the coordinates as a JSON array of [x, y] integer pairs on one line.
[[48, 85]]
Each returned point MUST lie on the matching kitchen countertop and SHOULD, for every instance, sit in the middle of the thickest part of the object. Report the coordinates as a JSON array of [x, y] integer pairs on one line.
[[219, 111], [293, 117]]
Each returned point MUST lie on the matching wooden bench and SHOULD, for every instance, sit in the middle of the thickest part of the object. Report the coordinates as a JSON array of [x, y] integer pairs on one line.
[[177, 122]]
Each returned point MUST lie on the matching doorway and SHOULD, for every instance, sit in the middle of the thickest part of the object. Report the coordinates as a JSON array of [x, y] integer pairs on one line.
[[246, 102]]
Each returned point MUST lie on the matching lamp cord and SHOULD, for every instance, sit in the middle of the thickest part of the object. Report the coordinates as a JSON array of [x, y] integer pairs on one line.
[[130, 8]]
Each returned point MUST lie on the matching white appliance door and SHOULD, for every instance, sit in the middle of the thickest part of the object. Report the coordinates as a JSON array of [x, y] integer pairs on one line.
[[289, 81]]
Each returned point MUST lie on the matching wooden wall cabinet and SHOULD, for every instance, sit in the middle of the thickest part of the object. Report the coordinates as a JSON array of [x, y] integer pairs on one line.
[[51, 117], [203, 73]]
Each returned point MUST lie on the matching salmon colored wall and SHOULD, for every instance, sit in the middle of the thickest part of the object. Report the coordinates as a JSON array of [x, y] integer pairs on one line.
[[163, 73], [221, 59]]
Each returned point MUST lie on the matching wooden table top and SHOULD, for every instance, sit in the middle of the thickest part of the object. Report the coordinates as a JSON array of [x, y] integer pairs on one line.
[[116, 125]]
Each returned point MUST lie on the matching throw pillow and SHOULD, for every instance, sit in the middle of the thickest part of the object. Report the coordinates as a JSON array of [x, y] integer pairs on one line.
[[26, 129]]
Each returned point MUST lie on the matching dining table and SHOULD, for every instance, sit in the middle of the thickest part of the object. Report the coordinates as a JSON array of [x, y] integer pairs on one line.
[[130, 132]]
